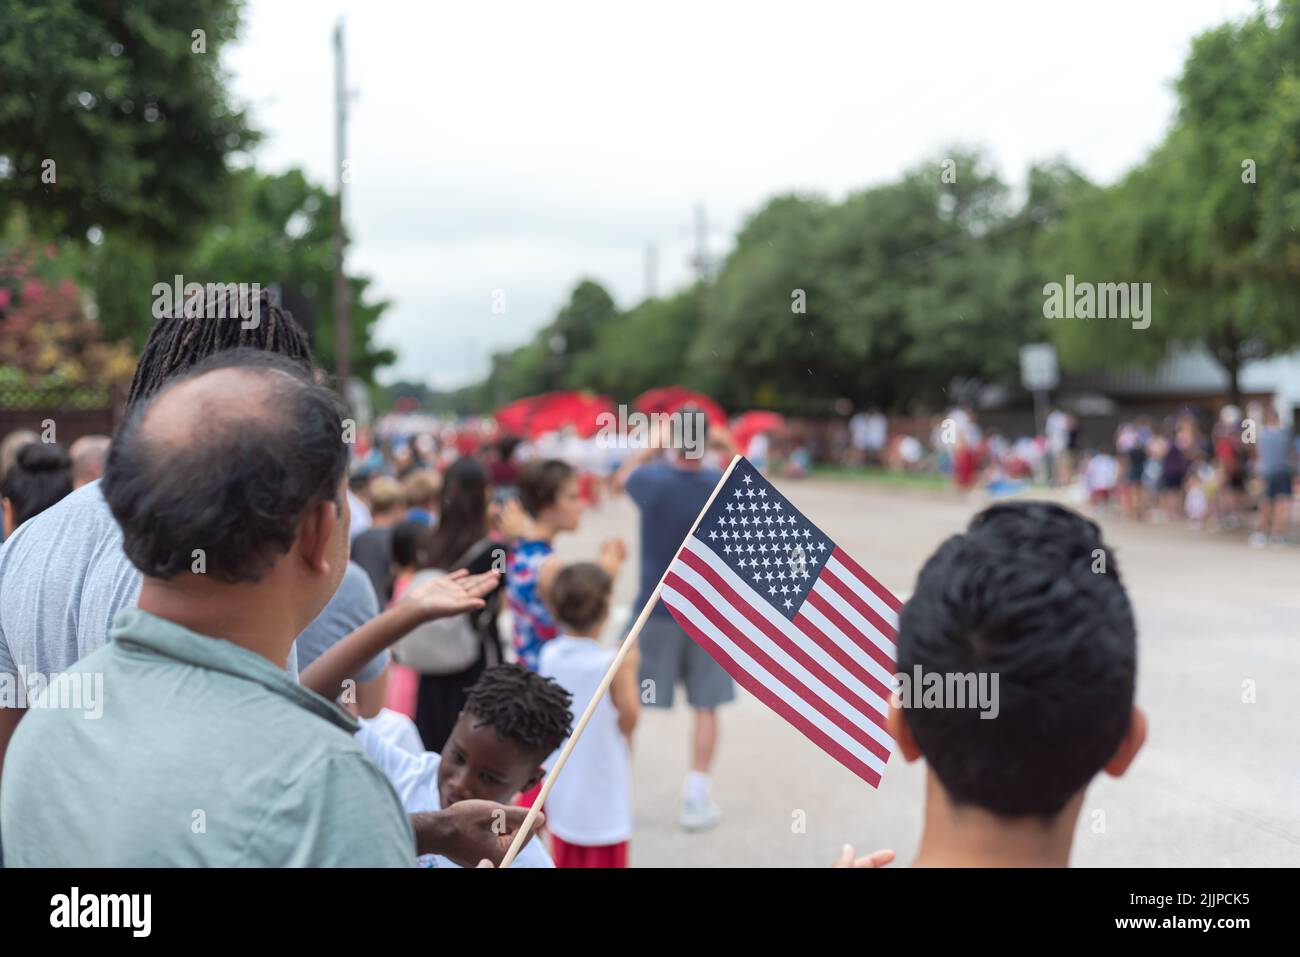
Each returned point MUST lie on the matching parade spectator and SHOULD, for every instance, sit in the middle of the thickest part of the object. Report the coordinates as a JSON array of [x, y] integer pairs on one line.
[[548, 491], [669, 492], [420, 489], [1230, 465], [461, 541], [589, 808], [359, 506], [49, 619], [1102, 476], [11, 444], [237, 431], [1173, 472], [373, 548], [1057, 428], [41, 475], [511, 721], [1060, 638], [1131, 443], [88, 454], [1273, 464]]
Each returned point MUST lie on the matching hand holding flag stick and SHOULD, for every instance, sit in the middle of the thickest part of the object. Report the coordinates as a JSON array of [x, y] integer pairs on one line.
[[601, 690]]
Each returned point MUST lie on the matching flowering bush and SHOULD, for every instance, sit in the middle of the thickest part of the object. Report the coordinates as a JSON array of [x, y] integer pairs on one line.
[[47, 340]]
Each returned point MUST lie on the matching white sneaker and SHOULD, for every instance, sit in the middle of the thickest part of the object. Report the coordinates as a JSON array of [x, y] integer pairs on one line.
[[700, 815], [1258, 540]]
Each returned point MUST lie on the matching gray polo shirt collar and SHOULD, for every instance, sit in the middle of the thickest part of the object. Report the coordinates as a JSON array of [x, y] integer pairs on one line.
[[140, 630]]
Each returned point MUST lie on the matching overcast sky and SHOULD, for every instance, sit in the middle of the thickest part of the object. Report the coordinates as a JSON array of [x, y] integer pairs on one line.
[[521, 147]]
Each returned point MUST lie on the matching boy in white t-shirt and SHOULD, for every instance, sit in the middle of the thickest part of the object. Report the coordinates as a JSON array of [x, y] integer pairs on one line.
[[513, 718], [589, 809], [1102, 476]]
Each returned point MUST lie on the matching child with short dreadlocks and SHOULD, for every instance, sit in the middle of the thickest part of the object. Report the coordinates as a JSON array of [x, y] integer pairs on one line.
[[512, 721]]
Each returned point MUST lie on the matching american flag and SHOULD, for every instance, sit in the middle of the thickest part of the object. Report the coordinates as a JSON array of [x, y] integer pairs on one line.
[[791, 617]]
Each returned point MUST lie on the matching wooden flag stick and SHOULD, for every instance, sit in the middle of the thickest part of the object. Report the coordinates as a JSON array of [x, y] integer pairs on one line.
[[527, 826]]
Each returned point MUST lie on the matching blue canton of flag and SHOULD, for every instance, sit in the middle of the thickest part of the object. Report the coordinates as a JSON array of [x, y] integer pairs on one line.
[[764, 539]]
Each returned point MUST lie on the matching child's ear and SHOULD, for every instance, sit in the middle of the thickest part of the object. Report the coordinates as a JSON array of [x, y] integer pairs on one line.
[[1130, 745], [900, 732]]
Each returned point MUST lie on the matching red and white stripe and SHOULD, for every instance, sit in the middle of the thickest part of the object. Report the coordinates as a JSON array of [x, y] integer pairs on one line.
[[828, 672]]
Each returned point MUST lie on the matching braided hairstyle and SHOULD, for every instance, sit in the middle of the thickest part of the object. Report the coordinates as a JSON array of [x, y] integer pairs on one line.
[[178, 341], [521, 706]]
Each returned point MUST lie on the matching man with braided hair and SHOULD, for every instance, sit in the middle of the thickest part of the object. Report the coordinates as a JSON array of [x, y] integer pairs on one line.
[[512, 721], [177, 342]]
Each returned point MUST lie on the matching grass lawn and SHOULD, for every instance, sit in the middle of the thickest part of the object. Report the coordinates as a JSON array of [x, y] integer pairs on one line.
[[879, 476]]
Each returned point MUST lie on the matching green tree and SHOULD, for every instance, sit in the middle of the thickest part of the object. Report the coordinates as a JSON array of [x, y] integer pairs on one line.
[[1209, 218], [642, 348], [138, 126], [273, 229], [766, 339]]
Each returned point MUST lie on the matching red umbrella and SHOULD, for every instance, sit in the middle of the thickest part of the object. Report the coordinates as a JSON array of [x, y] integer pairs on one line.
[[755, 423], [673, 397]]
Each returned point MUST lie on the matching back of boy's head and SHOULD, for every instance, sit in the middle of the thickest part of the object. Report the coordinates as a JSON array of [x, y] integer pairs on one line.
[[540, 483], [521, 706], [1030, 594], [580, 595]]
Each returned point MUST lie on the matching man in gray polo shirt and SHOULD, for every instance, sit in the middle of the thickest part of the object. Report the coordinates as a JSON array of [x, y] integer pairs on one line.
[[229, 486]]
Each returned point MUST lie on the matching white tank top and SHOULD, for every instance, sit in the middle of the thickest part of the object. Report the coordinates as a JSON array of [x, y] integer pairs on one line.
[[591, 801]]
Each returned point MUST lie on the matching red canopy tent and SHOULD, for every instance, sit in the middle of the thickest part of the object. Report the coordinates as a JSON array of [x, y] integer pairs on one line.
[[552, 411], [673, 397], [753, 423]]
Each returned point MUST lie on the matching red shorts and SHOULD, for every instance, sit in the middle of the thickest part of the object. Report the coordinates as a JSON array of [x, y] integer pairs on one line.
[[579, 855]]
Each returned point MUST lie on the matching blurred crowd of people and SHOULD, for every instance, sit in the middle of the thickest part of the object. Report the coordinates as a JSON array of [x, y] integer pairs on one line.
[[1231, 471]]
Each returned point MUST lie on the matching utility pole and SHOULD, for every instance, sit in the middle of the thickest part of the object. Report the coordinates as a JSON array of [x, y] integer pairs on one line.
[[342, 324], [702, 269], [651, 270]]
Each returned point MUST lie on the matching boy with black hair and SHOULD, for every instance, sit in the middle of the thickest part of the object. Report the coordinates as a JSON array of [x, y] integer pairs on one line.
[[512, 721], [1031, 597]]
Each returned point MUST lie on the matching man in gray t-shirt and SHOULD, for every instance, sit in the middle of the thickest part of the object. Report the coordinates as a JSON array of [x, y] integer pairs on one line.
[[63, 576]]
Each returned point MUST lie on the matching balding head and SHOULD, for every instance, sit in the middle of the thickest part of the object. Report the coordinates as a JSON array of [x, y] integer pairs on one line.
[[88, 455], [219, 468]]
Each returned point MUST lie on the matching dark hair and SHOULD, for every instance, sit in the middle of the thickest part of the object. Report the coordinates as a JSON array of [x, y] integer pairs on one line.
[[409, 543], [540, 483], [40, 476], [177, 342], [239, 491], [580, 594], [1031, 595], [522, 706], [462, 513]]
